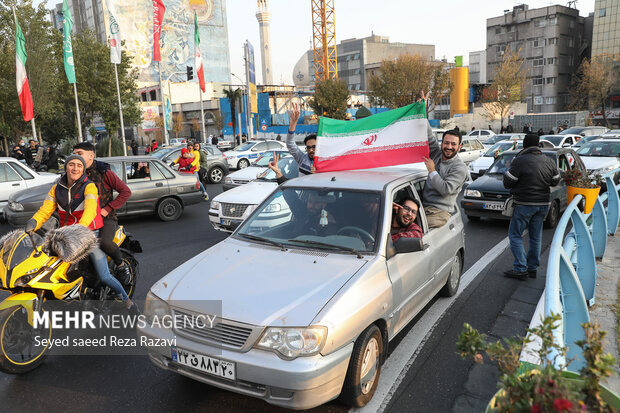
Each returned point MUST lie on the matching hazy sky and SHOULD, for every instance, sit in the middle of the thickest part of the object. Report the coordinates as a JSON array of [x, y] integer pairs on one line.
[[455, 27]]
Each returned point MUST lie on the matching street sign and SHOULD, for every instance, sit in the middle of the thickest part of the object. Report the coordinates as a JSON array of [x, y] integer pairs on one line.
[[263, 127]]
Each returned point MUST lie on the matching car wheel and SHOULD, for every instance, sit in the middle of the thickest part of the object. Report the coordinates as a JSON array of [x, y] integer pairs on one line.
[[553, 216], [364, 368], [216, 174], [244, 163], [454, 279], [473, 218], [169, 209]]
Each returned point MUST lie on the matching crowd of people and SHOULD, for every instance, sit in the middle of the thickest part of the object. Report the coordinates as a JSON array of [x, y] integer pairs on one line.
[[39, 158]]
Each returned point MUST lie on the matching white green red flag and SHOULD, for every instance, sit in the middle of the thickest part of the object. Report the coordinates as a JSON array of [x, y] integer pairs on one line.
[[23, 87], [394, 137], [67, 48], [199, 69], [115, 35]]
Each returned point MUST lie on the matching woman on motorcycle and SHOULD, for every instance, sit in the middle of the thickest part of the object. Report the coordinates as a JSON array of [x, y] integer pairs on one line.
[[77, 201]]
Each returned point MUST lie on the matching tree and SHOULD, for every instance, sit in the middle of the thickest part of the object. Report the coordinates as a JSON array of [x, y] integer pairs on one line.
[[506, 87], [177, 123], [233, 96], [401, 80], [594, 82], [218, 120], [330, 98]]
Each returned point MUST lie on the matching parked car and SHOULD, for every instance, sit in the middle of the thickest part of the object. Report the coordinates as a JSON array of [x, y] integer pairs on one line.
[[243, 154], [561, 141], [155, 189], [228, 209], [316, 322], [584, 130], [485, 161], [177, 141], [439, 133], [502, 137], [613, 132], [586, 139], [225, 145], [601, 156], [213, 166], [16, 176], [485, 196], [245, 175], [482, 134], [472, 149]]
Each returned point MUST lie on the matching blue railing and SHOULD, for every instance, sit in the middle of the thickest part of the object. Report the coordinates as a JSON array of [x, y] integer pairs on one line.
[[571, 272]]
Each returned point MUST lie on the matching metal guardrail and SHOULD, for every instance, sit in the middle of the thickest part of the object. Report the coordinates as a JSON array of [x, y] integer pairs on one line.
[[571, 271]]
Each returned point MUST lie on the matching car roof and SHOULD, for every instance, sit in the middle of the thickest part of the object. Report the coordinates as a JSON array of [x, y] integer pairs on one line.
[[365, 179], [128, 158]]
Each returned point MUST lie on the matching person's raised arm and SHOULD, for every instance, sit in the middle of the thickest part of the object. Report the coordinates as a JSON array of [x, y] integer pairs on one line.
[[293, 115]]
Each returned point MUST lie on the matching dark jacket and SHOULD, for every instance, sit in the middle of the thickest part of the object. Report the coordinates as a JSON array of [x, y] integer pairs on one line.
[[530, 177], [107, 181]]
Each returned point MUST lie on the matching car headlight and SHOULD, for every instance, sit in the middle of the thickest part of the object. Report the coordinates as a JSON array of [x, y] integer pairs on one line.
[[272, 208], [472, 193], [15, 206], [292, 342], [228, 180], [155, 307], [215, 205]]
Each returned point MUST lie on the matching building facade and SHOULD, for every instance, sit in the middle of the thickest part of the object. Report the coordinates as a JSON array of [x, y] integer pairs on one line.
[[478, 67], [358, 59], [606, 30], [86, 14], [552, 43]]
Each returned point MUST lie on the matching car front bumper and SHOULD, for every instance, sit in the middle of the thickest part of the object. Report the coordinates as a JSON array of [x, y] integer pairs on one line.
[[479, 208], [16, 219], [302, 383]]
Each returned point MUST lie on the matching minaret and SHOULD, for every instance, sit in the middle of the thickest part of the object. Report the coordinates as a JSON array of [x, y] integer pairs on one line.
[[264, 17]]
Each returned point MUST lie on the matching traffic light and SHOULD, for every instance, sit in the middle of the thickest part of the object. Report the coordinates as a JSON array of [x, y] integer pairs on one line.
[[190, 73]]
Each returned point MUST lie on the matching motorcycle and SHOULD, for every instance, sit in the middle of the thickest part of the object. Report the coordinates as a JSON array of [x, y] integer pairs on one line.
[[55, 267]]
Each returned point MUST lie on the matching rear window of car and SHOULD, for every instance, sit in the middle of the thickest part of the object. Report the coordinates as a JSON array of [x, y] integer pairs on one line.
[[163, 170]]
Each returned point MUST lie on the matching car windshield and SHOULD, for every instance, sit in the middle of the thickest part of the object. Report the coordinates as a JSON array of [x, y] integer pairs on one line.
[[502, 146], [288, 166], [244, 147], [501, 164], [571, 131], [585, 140], [598, 148], [317, 218], [496, 138], [160, 153], [555, 140]]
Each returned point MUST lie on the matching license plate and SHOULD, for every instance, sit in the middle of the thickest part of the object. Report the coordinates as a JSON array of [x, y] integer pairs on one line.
[[229, 222], [206, 364], [496, 206]]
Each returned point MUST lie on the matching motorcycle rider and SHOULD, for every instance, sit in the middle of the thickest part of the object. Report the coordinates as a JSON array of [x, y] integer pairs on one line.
[[106, 181], [84, 210]]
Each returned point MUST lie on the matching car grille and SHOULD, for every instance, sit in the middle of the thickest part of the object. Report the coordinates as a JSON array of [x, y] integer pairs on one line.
[[240, 181], [221, 333], [495, 196], [233, 210]]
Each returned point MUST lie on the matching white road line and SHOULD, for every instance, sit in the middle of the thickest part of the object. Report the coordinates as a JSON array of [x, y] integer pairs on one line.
[[403, 356]]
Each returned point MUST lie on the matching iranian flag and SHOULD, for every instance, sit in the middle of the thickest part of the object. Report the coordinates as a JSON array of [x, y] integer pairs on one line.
[[21, 80], [394, 137], [199, 69]]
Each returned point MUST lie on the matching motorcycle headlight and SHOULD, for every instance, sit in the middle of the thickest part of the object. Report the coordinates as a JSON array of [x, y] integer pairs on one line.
[[215, 205], [228, 180], [292, 342], [15, 206], [272, 208], [472, 193], [155, 307]]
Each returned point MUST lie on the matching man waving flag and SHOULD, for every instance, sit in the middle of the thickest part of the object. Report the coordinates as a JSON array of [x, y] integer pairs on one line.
[[199, 70], [394, 137], [23, 88]]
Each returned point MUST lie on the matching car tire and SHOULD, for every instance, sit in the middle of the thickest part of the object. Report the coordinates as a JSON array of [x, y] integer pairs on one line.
[[454, 279], [473, 218], [553, 216], [169, 209], [364, 368], [243, 163], [215, 175]]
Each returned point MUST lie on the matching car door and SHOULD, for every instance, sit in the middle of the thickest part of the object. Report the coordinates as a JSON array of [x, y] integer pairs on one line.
[[28, 176], [478, 147], [10, 181], [147, 186], [117, 168], [410, 273], [257, 150], [465, 153]]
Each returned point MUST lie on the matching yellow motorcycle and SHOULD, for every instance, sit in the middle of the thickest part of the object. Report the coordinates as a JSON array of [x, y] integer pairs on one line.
[[37, 269]]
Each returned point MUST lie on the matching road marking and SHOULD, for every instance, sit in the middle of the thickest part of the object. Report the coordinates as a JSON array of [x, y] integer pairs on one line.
[[399, 362]]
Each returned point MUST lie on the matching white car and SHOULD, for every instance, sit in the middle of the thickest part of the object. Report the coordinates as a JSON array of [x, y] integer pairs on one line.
[[501, 137], [242, 155], [472, 149], [245, 175], [486, 160], [561, 141], [16, 176], [231, 208], [600, 156], [481, 134]]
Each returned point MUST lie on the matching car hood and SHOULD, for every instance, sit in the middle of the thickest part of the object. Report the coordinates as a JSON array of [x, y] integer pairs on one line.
[[482, 163], [490, 183], [257, 284], [597, 162], [247, 173], [252, 193], [31, 195]]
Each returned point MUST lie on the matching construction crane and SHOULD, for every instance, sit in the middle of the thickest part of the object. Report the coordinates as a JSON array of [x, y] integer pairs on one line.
[[324, 40]]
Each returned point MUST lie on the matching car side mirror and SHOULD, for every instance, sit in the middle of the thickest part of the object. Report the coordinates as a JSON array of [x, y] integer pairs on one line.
[[482, 172], [404, 245], [463, 150]]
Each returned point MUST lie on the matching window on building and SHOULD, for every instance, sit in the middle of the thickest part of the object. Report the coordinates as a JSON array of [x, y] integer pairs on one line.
[[498, 30], [540, 23], [553, 21], [571, 60], [538, 81], [356, 71], [538, 62], [153, 94], [550, 100], [539, 43], [538, 100], [551, 80], [602, 12], [571, 24], [553, 40], [571, 42], [348, 57], [356, 56], [552, 60], [143, 96], [510, 29]]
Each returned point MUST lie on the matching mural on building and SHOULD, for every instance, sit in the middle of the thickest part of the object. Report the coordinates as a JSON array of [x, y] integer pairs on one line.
[[177, 38]]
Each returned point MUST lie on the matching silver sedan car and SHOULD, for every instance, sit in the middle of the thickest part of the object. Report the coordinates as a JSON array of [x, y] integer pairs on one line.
[[301, 312]]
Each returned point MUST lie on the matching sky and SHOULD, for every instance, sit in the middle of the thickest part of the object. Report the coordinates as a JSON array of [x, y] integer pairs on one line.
[[455, 27]]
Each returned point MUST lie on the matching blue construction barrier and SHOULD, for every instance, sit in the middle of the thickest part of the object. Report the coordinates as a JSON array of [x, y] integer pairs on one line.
[[571, 271]]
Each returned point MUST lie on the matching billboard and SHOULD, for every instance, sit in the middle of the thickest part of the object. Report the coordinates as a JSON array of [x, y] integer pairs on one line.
[[249, 50], [135, 19]]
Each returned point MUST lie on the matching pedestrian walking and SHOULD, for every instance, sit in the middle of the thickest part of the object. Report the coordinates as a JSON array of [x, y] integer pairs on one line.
[[529, 179], [134, 147]]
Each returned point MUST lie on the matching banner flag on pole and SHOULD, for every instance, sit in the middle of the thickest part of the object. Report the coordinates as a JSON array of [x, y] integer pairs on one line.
[[199, 69], [115, 35], [21, 79], [158, 17], [394, 137], [67, 49]]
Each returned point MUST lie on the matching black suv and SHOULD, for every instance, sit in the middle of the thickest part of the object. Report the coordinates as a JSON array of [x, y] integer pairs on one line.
[[485, 196]]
